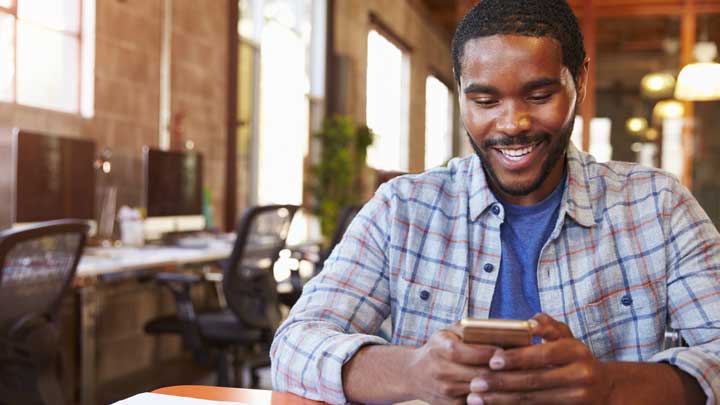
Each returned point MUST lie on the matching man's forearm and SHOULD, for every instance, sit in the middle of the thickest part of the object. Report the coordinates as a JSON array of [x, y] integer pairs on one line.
[[652, 383], [377, 374]]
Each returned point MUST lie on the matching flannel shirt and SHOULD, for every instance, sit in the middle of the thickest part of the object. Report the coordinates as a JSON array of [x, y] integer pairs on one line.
[[632, 253]]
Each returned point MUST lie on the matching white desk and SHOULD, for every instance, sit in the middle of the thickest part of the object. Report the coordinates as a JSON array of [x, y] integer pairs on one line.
[[107, 265], [98, 262]]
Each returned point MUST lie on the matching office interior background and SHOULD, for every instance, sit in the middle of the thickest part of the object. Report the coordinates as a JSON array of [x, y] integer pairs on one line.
[[124, 97]]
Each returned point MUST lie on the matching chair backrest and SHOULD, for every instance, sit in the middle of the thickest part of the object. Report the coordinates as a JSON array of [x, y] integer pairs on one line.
[[37, 264], [248, 282]]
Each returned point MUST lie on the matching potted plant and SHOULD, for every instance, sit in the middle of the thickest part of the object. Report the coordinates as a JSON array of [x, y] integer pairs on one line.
[[337, 177]]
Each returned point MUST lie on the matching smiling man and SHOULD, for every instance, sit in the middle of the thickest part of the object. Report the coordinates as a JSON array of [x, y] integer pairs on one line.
[[602, 257]]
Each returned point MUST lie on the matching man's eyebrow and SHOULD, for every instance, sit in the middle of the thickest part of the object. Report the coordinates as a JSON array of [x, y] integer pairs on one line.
[[539, 83], [480, 88], [527, 87]]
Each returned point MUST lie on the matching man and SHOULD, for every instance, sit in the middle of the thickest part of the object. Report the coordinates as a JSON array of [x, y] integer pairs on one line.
[[612, 254]]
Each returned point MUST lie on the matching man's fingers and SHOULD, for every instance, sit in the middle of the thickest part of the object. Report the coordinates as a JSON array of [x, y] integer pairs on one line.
[[557, 353], [575, 395], [548, 328], [576, 374], [449, 347]]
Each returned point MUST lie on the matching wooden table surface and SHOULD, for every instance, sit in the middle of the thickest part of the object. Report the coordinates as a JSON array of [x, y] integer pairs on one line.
[[249, 396]]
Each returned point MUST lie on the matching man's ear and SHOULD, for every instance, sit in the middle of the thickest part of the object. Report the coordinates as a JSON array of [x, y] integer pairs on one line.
[[581, 81]]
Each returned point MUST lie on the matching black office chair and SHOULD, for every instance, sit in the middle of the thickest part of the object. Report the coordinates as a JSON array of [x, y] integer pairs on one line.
[[249, 288], [38, 263], [345, 217]]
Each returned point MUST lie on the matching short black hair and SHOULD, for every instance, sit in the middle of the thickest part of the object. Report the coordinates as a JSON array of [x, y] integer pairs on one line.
[[533, 18]]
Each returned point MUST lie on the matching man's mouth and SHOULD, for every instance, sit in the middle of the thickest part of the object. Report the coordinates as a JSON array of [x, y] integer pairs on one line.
[[515, 153]]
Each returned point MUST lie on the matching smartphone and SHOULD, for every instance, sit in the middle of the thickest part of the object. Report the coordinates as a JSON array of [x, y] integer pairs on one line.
[[495, 332]]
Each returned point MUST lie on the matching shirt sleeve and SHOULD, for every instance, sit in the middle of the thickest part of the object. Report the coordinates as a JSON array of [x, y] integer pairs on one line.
[[693, 246], [339, 311]]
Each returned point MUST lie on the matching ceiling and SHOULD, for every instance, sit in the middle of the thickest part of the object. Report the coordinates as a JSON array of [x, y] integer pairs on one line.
[[444, 13], [447, 13]]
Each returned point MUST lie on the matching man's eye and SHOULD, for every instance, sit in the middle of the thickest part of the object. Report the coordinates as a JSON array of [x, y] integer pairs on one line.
[[485, 102], [540, 97]]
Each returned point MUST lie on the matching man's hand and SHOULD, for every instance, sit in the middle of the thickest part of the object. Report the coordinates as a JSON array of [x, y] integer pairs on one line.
[[562, 370], [441, 370]]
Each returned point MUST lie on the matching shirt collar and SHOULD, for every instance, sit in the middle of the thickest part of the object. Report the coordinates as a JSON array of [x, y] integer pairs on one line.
[[576, 201]]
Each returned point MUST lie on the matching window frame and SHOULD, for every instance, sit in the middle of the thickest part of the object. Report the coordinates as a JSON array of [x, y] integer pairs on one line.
[[382, 29], [77, 37], [452, 112]]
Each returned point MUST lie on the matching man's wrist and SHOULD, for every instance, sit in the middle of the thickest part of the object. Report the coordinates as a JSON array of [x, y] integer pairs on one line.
[[379, 373], [633, 382]]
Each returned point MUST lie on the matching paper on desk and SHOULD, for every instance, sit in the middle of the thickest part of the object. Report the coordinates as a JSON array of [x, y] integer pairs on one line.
[[161, 399]]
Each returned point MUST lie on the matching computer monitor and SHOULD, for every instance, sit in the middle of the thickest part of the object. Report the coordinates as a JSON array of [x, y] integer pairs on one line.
[[173, 183], [54, 177]]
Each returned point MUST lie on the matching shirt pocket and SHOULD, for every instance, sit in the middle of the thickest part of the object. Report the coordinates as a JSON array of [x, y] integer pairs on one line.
[[627, 325], [423, 310]]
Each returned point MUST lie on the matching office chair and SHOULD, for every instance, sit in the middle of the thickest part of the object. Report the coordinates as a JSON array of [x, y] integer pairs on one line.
[[38, 263], [345, 217], [249, 288]]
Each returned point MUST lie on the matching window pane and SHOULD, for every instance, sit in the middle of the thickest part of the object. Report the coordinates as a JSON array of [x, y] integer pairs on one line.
[[438, 123], [7, 63], [87, 94], [47, 68], [59, 15], [386, 104], [283, 142]]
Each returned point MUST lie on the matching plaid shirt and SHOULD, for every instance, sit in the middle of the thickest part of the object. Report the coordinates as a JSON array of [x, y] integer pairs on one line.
[[632, 253]]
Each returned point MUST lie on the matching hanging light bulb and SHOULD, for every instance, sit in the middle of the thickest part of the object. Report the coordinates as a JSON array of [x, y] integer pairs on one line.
[[636, 125], [700, 81], [668, 109], [657, 85]]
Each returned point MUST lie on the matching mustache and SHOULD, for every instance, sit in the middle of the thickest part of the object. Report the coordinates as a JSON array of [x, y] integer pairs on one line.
[[518, 140]]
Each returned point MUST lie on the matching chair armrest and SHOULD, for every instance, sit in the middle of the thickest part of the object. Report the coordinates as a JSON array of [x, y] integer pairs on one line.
[[168, 277], [179, 284]]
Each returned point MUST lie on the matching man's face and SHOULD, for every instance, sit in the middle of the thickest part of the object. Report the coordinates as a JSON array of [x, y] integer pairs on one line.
[[518, 104]]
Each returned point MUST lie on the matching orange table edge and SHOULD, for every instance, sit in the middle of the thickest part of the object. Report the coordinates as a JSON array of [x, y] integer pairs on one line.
[[245, 395]]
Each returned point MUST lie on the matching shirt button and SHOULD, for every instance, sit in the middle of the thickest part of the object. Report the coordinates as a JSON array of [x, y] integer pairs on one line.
[[488, 267], [495, 209], [626, 300], [424, 295]]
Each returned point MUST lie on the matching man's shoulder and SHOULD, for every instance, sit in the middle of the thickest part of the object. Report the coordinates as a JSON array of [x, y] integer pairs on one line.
[[437, 184], [617, 179]]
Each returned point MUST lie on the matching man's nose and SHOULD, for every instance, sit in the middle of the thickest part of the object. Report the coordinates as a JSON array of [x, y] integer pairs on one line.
[[514, 120]]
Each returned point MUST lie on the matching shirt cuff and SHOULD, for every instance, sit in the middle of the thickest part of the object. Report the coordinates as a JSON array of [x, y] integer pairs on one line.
[[330, 376], [699, 363]]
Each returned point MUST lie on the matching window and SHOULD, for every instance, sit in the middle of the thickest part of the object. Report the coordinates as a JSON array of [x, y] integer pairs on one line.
[[387, 104], [600, 133], [47, 54], [438, 122], [276, 42], [672, 146]]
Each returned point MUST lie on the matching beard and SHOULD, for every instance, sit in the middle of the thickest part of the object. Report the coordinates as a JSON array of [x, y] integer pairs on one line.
[[557, 151]]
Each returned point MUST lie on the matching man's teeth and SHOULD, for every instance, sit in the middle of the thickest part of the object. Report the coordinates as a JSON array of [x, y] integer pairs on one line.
[[517, 154]]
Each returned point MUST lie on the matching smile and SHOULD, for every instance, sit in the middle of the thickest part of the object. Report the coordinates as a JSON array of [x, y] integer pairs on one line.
[[516, 154]]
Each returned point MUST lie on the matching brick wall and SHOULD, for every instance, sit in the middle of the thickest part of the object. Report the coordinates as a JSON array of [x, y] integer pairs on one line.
[[199, 85], [430, 54], [127, 90]]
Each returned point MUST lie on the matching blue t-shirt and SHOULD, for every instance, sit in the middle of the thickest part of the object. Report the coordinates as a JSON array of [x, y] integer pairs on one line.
[[523, 234]]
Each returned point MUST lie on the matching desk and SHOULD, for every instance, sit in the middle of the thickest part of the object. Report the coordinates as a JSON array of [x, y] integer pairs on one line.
[[104, 265], [252, 397]]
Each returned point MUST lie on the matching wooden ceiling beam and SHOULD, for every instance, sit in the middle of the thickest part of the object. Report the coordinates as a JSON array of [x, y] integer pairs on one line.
[[648, 8]]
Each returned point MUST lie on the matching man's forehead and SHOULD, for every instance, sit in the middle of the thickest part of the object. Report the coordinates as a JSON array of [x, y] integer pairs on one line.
[[506, 53], [512, 44]]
